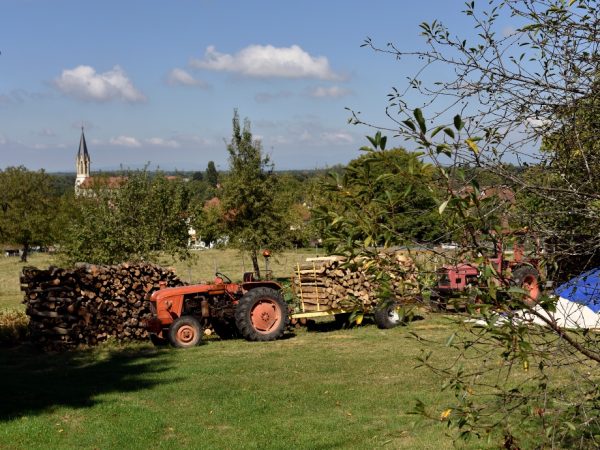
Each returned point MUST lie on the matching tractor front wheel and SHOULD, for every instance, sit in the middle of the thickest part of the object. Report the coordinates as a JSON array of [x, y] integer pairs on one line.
[[261, 315], [185, 332]]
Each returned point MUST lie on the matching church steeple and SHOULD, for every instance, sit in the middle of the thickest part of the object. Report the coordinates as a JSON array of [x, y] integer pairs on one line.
[[83, 161]]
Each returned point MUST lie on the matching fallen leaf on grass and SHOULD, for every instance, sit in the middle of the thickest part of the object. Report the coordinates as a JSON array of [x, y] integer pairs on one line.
[[445, 414]]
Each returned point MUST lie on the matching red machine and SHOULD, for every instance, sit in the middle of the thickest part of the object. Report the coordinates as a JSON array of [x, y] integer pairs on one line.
[[253, 309], [456, 280]]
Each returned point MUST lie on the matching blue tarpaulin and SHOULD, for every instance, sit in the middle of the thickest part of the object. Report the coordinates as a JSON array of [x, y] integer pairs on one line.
[[583, 289]]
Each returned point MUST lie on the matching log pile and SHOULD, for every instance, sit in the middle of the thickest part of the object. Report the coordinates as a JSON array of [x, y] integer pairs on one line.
[[330, 283], [90, 303]]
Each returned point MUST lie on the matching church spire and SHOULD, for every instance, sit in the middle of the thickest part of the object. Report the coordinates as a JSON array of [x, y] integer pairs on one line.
[[83, 162], [83, 152]]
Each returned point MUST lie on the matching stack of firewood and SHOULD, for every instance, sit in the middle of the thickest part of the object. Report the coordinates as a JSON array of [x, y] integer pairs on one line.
[[90, 303], [324, 284]]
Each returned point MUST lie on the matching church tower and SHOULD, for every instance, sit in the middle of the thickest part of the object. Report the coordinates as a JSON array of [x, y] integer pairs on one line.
[[83, 162]]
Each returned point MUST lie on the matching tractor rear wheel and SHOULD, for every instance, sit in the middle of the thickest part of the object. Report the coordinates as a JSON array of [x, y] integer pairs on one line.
[[528, 279], [261, 315], [185, 332], [387, 316]]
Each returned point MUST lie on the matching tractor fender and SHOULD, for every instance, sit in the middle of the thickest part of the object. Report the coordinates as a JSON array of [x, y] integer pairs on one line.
[[169, 308], [247, 286]]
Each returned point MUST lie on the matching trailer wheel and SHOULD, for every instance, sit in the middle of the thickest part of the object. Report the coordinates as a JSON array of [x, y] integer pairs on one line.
[[528, 279], [261, 315], [185, 332], [387, 316]]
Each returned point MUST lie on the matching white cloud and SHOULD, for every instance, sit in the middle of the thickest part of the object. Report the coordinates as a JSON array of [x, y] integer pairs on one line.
[[190, 139], [160, 142], [330, 91], [84, 83], [179, 77], [538, 123], [125, 141], [338, 137], [267, 61]]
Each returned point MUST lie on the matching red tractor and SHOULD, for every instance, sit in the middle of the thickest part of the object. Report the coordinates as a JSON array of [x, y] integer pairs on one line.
[[456, 280], [253, 309]]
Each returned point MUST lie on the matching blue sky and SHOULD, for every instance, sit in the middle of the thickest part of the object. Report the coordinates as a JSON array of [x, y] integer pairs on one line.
[[157, 81]]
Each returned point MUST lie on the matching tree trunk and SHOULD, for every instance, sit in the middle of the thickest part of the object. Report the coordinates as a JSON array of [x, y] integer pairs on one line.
[[254, 256], [25, 252]]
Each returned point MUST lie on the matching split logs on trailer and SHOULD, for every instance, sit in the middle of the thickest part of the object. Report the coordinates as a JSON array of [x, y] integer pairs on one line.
[[329, 283]]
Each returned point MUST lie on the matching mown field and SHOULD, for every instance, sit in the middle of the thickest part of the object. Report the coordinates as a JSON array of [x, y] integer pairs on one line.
[[319, 388], [316, 389]]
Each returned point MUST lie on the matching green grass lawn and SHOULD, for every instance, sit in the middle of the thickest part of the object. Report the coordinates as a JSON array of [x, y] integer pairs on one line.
[[10, 270], [316, 389]]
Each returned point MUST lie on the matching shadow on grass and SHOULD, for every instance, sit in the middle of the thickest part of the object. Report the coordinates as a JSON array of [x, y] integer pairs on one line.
[[343, 322], [33, 382]]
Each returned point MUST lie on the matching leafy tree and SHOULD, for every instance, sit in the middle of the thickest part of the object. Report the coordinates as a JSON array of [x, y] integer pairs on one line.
[[293, 194], [212, 175], [198, 176], [142, 217], [504, 95], [254, 217], [28, 208], [63, 184], [383, 198]]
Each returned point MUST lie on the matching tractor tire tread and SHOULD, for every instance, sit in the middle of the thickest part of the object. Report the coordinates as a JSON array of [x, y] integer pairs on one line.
[[177, 324], [243, 312]]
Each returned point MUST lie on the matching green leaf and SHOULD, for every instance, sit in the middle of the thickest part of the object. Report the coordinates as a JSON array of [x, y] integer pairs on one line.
[[443, 148], [458, 123], [449, 132], [410, 124], [420, 120], [384, 176], [437, 130], [382, 142]]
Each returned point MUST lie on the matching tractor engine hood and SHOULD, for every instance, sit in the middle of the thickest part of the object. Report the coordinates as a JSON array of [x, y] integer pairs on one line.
[[212, 289]]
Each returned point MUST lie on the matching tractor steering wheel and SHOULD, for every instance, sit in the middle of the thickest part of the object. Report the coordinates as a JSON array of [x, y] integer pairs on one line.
[[223, 277]]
